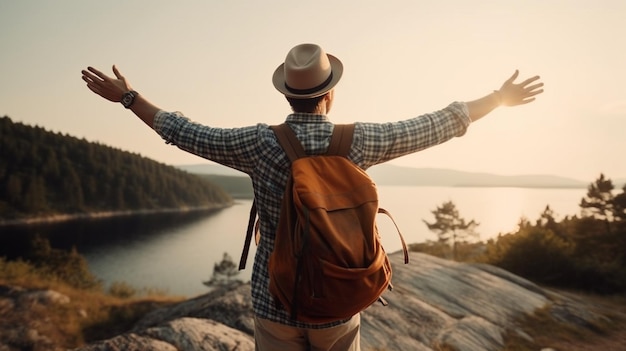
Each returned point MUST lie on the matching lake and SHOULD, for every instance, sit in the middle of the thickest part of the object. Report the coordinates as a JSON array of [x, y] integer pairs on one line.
[[176, 252]]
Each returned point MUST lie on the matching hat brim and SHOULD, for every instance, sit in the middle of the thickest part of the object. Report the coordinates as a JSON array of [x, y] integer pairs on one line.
[[279, 80]]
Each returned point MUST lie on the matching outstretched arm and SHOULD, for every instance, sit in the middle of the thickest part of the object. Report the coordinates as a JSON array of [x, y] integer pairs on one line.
[[510, 94], [113, 89]]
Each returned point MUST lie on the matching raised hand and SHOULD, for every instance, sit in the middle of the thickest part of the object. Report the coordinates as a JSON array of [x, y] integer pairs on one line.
[[109, 88], [512, 94]]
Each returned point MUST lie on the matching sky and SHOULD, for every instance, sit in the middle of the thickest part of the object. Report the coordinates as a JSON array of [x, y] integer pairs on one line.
[[213, 60]]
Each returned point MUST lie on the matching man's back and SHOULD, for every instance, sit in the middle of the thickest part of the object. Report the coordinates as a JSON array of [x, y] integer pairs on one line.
[[256, 151]]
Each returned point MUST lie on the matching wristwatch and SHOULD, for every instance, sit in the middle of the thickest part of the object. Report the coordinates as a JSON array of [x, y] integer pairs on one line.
[[129, 98]]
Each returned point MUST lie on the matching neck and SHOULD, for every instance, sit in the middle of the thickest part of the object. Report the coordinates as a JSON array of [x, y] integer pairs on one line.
[[320, 110]]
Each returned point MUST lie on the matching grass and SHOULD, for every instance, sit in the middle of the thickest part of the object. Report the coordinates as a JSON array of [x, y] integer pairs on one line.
[[92, 314], [607, 333]]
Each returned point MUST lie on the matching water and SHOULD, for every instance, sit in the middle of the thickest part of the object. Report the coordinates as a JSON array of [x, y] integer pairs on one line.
[[175, 253], [497, 210]]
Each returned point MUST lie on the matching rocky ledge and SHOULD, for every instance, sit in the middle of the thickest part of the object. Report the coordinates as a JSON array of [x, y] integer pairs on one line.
[[436, 305]]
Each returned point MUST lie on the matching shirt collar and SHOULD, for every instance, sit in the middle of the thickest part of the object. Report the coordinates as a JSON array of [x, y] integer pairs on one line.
[[307, 118]]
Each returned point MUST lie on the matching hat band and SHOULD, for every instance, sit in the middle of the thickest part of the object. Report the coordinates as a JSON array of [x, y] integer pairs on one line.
[[311, 90]]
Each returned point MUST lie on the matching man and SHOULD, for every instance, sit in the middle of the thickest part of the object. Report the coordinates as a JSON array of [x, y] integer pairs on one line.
[[307, 79]]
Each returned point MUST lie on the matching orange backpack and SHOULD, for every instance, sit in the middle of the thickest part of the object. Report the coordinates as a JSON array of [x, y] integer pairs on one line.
[[328, 263]]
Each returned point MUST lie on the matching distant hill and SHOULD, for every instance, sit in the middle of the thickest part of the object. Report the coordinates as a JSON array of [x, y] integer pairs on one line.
[[396, 175], [212, 168], [239, 187], [387, 174]]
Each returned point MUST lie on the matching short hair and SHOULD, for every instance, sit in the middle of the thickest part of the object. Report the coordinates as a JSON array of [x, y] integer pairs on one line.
[[305, 105]]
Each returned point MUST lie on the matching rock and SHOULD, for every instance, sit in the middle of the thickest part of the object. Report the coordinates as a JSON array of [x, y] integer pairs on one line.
[[82, 313], [6, 306], [130, 342], [219, 320], [180, 334], [230, 306], [201, 335], [24, 324], [436, 305], [46, 297], [443, 303]]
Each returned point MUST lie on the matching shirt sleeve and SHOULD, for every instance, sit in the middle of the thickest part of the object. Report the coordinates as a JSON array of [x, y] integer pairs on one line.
[[380, 142], [231, 147]]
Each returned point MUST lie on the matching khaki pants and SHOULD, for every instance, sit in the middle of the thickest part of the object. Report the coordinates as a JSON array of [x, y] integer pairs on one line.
[[271, 336]]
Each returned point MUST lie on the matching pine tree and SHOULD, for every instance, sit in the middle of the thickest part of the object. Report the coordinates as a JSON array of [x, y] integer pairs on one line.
[[619, 206], [450, 227], [599, 201], [223, 272]]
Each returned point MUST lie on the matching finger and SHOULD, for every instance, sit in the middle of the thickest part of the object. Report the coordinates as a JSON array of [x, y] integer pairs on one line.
[[513, 77], [529, 80], [533, 93], [85, 72], [534, 87], [525, 101], [117, 73], [90, 78], [98, 73]]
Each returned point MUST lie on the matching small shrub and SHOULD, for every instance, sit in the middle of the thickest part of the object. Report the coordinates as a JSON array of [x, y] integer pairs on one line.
[[433, 248], [465, 252], [154, 292], [122, 290], [535, 253], [17, 270], [68, 267], [224, 272]]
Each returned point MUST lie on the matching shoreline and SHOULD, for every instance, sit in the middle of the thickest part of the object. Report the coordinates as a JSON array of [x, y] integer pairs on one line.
[[55, 218]]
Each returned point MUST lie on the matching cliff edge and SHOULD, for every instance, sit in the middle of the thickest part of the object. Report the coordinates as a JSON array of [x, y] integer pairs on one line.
[[436, 305]]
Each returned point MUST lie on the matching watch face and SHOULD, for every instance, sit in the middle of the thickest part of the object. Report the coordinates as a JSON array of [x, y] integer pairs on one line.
[[127, 99]]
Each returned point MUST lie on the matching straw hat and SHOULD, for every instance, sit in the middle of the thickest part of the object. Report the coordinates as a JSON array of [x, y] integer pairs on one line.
[[308, 72]]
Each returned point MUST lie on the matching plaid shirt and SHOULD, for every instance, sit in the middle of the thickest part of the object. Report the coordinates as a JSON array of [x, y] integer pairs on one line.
[[255, 151]]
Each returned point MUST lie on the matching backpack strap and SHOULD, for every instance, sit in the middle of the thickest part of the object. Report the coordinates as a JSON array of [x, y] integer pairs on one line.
[[405, 250], [341, 140], [289, 141], [251, 229]]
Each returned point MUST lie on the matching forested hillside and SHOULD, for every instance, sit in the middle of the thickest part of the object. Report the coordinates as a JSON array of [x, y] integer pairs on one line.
[[44, 173], [239, 187]]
